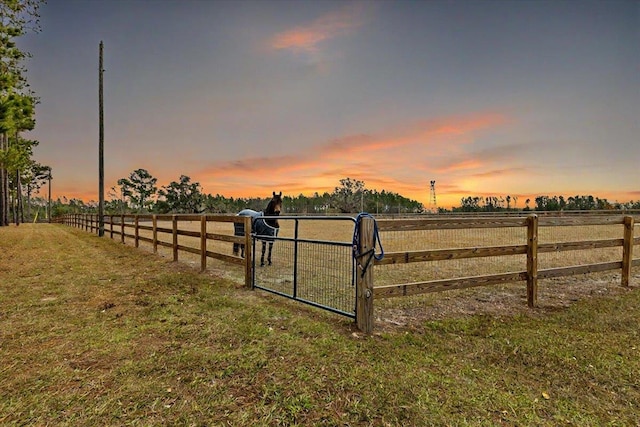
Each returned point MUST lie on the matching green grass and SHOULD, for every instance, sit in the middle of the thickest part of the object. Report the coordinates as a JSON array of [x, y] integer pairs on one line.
[[97, 333]]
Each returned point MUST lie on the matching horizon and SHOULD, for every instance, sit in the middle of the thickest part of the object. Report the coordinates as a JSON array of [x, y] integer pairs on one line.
[[488, 99]]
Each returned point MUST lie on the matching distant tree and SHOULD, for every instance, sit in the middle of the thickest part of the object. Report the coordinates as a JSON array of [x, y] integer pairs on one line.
[[183, 196], [348, 196], [33, 177], [139, 188], [116, 204], [469, 204]]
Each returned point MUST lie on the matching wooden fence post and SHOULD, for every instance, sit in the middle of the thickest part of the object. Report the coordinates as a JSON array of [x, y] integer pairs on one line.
[[154, 221], [111, 227], [364, 276], [248, 253], [627, 250], [203, 243], [136, 223], [175, 238], [532, 261], [122, 228]]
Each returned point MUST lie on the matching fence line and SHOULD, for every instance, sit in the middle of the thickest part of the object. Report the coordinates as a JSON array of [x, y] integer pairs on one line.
[[527, 269], [532, 248], [130, 225]]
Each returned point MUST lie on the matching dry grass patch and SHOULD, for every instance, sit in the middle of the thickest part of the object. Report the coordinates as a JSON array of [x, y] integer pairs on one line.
[[97, 333]]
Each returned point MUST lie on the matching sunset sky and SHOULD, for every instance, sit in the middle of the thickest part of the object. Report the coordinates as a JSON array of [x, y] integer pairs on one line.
[[519, 98]]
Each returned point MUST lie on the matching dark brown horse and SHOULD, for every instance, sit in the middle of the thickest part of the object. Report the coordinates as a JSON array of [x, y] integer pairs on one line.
[[265, 229]]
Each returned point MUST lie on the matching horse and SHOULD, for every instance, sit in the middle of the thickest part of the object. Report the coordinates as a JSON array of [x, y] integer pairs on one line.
[[265, 229]]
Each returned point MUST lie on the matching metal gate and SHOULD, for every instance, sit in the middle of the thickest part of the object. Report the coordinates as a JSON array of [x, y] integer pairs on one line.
[[311, 262]]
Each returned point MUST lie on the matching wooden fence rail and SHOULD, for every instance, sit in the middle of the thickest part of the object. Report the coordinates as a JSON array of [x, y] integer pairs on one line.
[[130, 225], [531, 248]]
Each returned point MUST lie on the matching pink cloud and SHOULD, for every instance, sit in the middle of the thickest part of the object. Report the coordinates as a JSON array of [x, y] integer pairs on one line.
[[445, 133], [498, 172], [384, 160], [337, 23], [462, 165]]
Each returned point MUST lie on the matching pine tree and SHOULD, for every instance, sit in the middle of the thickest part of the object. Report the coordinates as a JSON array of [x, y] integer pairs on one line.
[[17, 17]]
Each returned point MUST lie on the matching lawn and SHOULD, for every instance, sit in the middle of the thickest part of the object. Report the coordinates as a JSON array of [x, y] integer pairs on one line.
[[94, 332]]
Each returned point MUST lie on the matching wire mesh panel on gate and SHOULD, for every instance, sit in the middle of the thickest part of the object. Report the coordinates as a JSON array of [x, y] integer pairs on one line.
[[311, 262]]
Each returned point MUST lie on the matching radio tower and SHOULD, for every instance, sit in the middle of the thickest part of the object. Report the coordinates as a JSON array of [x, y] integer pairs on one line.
[[433, 206]]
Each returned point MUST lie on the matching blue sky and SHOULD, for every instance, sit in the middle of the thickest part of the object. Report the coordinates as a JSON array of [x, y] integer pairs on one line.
[[519, 98]]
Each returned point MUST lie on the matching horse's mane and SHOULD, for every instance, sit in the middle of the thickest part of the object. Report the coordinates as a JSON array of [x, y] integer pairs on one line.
[[270, 209]]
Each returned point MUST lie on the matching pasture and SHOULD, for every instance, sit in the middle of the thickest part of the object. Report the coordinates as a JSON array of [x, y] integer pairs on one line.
[[99, 333]]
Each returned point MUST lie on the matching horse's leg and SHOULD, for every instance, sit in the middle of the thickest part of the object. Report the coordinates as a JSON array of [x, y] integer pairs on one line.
[[269, 256], [264, 247]]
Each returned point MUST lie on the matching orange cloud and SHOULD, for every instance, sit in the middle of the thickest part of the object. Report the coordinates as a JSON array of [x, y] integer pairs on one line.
[[440, 132], [333, 24], [498, 173], [463, 165], [395, 160]]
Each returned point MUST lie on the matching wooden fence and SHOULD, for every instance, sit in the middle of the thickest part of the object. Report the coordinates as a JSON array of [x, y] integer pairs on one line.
[[531, 248], [131, 226], [527, 267]]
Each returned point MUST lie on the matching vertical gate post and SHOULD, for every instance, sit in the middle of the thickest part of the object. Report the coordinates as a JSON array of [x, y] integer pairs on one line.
[[364, 276], [627, 250], [248, 253], [532, 261]]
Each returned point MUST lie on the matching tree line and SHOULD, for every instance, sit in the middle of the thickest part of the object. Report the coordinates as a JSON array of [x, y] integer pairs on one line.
[[140, 193], [540, 203], [19, 173]]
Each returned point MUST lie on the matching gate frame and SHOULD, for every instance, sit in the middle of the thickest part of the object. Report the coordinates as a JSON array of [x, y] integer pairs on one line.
[[295, 241]]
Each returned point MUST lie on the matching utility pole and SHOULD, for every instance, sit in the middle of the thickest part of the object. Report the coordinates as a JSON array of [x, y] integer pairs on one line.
[[101, 147]]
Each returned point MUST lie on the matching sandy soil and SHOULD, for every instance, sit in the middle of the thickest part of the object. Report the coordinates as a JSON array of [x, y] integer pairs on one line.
[[508, 300]]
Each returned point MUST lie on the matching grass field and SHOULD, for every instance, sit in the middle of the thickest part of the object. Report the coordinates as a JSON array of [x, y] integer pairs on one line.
[[97, 333]]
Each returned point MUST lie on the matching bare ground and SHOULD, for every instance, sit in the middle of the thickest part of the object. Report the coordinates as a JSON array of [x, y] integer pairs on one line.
[[501, 301]]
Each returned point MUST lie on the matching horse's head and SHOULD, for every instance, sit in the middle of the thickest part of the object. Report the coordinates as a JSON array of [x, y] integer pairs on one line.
[[274, 208], [275, 204]]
